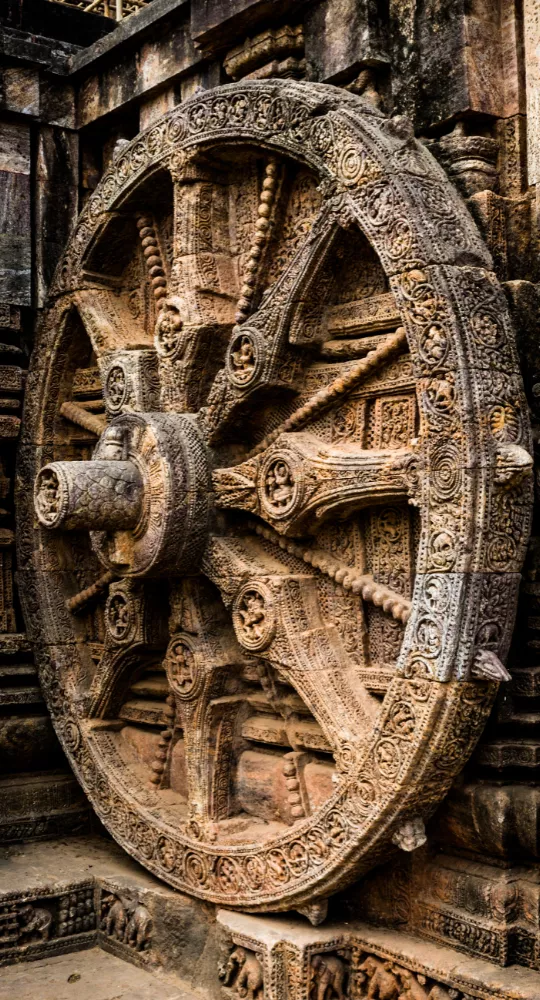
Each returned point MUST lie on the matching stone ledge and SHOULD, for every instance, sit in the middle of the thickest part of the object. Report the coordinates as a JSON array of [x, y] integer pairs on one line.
[[428, 962]]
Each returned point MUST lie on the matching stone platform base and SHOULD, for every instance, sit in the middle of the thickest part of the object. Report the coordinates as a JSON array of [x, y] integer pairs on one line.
[[76, 893], [72, 896], [299, 962]]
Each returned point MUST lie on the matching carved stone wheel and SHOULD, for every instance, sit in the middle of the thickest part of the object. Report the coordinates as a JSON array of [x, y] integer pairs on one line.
[[281, 459]]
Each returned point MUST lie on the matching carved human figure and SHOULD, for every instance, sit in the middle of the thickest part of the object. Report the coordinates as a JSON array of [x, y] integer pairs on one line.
[[244, 974], [119, 617], [169, 326], [243, 359], [35, 920], [435, 344], [116, 385], [182, 667], [279, 484], [252, 613], [383, 984], [48, 495], [139, 928], [328, 974]]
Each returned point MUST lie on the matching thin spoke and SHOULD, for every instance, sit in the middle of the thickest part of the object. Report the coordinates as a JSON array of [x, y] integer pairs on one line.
[[154, 263], [337, 390], [80, 600], [78, 415], [392, 603], [263, 229]]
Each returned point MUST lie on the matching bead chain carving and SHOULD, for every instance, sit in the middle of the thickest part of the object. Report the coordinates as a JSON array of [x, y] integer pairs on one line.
[[393, 604], [260, 239], [80, 600], [78, 415], [333, 393], [154, 263], [159, 764]]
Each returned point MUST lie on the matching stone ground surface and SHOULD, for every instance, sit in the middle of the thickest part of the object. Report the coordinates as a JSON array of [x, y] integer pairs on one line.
[[85, 975]]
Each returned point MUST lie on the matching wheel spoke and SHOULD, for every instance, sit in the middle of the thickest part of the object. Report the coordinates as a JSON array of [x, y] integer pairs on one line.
[[338, 390], [276, 616], [199, 663], [259, 355], [348, 577], [300, 481], [83, 418]]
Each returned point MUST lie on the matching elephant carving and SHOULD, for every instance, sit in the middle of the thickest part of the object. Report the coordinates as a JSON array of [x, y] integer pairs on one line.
[[244, 974], [412, 987], [139, 928], [35, 920], [383, 984], [328, 974], [127, 921], [116, 919]]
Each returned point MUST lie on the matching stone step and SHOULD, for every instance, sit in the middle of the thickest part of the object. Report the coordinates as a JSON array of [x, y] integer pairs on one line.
[[144, 711], [21, 696], [17, 671], [86, 975], [151, 686], [34, 806], [511, 753]]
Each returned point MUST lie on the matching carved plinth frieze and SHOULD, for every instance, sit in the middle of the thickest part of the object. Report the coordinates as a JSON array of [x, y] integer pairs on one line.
[[282, 497], [271, 958]]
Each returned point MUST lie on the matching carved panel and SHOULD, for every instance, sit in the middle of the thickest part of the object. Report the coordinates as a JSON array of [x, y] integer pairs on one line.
[[272, 579]]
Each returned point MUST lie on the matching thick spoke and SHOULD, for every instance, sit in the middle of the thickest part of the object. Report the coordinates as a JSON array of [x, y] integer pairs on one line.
[[196, 318], [199, 663], [276, 616], [300, 481], [259, 355]]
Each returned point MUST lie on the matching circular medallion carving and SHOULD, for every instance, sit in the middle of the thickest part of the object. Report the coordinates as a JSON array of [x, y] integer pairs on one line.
[[49, 497], [290, 552], [183, 670], [118, 616], [116, 387], [253, 616], [280, 484], [244, 356]]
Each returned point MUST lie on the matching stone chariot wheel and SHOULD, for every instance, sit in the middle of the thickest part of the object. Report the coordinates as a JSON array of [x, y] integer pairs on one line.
[[280, 451]]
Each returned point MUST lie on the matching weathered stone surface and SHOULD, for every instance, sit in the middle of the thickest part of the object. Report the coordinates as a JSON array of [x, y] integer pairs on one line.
[[93, 974], [342, 36], [15, 214]]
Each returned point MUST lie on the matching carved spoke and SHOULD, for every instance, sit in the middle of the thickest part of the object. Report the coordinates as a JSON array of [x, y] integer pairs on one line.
[[275, 615], [259, 355], [299, 482]]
